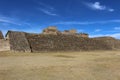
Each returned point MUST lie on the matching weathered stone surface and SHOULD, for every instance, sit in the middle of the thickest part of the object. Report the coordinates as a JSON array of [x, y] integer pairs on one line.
[[4, 45], [51, 30], [64, 43], [110, 41], [1, 35], [18, 41], [28, 42]]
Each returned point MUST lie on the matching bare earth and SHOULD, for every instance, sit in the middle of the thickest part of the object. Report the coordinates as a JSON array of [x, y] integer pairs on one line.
[[96, 65]]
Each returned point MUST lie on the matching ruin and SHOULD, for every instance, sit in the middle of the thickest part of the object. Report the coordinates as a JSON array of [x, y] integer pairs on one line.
[[18, 41], [4, 44], [52, 39], [69, 32], [85, 35], [1, 35], [51, 30]]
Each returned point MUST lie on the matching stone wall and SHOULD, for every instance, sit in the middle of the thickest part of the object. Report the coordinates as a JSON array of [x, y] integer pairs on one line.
[[26, 42], [110, 41], [51, 30], [46, 43], [4, 45], [1, 35], [18, 41]]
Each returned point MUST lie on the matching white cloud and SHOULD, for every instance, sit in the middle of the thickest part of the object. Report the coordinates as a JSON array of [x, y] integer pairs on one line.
[[111, 10], [97, 30], [48, 12], [117, 28], [8, 20], [47, 9], [98, 6], [46, 6], [115, 35], [86, 23]]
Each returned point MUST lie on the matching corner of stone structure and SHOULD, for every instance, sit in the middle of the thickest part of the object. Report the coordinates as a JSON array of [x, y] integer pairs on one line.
[[1, 35]]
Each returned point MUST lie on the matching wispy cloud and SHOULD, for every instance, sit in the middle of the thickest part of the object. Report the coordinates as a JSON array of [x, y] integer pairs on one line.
[[16, 24], [98, 30], [47, 9], [115, 35], [8, 20], [117, 28], [86, 23], [46, 6], [48, 12], [98, 6], [111, 10]]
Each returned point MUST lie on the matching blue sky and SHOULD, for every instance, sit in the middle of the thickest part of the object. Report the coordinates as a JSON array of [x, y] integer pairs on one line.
[[95, 17]]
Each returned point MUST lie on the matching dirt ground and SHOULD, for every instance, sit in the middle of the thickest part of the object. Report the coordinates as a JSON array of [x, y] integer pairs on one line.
[[96, 65]]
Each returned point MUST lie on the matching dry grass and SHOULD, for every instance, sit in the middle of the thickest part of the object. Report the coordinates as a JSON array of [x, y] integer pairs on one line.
[[97, 65]]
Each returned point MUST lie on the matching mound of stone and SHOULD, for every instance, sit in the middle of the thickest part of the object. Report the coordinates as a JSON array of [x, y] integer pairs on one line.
[[28, 42], [110, 41], [65, 43], [18, 41]]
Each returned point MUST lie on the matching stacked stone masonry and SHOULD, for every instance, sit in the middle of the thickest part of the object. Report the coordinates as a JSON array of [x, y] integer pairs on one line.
[[52, 40], [18, 42], [1, 35]]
